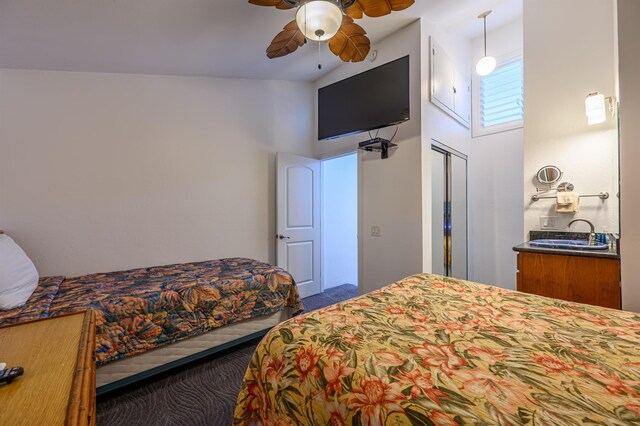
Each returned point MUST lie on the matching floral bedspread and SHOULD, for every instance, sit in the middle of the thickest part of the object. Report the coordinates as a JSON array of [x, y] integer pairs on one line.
[[146, 308], [430, 350], [37, 306]]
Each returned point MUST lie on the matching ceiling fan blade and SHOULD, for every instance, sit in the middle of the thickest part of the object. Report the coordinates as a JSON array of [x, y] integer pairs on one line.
[[376, 8], [350, 43], [286, 42], [279, 4]]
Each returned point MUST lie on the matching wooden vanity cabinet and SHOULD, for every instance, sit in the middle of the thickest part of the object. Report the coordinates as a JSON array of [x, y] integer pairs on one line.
[[591, 280]]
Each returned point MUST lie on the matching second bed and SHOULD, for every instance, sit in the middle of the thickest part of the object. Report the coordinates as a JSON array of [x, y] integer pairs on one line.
[[152, 319]]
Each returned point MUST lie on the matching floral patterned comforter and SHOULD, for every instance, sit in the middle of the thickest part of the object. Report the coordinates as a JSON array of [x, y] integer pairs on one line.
[[37, 306], [146, 308], [430, 350]]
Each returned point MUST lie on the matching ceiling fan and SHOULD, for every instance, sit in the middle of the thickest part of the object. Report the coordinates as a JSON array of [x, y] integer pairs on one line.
[[330, 21]]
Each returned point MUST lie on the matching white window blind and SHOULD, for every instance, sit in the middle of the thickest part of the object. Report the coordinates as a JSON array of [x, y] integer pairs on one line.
[[502, 95]]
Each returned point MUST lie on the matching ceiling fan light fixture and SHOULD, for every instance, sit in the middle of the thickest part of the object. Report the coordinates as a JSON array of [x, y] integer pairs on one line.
[[319, 20]]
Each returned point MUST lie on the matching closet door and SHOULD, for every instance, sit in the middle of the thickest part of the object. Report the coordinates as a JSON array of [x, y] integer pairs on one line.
[[449, 212], [439, 212], [458, 202]]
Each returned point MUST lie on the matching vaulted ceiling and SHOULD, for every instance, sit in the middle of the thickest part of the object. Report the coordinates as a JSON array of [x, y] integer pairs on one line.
[[223, 38]]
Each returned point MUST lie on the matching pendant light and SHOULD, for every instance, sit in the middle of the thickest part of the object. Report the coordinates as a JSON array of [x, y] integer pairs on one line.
[[319, 20], [487, 64]]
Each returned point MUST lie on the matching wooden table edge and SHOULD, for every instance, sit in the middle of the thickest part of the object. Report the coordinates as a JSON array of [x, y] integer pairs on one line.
[[82, 398]]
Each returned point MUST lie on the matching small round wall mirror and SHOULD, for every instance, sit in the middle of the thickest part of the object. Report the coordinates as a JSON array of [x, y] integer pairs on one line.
[[549, 175]]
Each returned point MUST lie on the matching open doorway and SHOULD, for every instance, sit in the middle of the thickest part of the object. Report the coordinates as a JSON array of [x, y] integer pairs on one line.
[[340, 223]]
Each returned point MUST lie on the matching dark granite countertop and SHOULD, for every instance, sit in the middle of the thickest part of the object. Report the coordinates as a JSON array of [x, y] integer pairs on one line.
[[584, 253], [535, 235]]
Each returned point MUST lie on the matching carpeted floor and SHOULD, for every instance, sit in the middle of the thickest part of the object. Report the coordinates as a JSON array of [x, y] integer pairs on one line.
[[202, 393]]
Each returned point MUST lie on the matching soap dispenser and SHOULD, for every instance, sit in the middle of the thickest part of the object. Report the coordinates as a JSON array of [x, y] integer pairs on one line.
[[605, 236]]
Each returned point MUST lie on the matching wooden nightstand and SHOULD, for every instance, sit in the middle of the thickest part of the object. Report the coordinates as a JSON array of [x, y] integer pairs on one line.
[[58, 385]]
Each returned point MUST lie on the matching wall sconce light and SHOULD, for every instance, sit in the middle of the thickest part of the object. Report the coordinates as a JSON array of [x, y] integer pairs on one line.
[[596, 108]]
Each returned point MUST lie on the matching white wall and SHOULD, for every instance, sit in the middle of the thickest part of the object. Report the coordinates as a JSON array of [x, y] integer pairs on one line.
[[395, 194], [629, 56], [390, 189], [105, 172], [569, 52], [438, 125], [495, 182], [340, 221]]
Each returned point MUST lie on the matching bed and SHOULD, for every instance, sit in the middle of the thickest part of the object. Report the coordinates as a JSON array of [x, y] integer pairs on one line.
[[430, 350], [152, 319]]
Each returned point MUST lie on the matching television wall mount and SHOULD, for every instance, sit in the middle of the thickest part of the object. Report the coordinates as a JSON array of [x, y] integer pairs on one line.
[[378, 145]]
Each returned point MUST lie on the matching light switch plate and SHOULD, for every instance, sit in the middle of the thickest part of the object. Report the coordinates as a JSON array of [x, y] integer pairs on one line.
[[548, 222], [375, 230]]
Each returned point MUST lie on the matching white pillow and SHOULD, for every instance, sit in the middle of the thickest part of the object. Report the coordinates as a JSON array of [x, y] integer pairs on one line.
[[18, 275]]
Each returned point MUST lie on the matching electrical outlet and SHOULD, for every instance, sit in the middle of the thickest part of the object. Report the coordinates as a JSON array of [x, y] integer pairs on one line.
[[548, 222], [375, 231]]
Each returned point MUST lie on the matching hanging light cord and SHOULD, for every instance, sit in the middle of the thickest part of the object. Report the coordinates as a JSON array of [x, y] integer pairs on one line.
[[485, 35]]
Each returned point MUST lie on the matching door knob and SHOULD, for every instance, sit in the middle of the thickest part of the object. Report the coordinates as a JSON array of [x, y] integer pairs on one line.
[[282, 237]]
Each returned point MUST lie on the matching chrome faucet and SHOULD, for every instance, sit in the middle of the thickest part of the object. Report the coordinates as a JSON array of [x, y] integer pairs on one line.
[[592, 235]]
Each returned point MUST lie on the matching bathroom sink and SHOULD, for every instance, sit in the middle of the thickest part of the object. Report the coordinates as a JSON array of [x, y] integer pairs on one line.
[[568, 244]]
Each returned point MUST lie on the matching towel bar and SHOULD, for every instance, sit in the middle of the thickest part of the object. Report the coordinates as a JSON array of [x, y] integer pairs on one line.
[[602, 196]]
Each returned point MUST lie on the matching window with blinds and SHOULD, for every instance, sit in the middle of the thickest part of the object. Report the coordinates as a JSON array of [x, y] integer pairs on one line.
[[502, 95]]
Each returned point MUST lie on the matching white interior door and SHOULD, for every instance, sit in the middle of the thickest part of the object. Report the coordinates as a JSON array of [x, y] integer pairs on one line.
[[298, 217]]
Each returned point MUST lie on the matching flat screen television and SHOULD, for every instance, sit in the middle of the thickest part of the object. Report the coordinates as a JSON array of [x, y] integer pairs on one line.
[[368, 101]]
